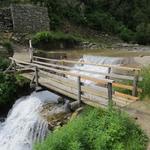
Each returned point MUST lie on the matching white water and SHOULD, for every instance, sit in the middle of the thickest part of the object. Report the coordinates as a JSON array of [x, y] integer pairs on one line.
[[24, 124]]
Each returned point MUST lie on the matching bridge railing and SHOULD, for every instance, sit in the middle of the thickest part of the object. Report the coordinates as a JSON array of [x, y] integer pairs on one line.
[[126, 78], [98, 92], [59, 78]]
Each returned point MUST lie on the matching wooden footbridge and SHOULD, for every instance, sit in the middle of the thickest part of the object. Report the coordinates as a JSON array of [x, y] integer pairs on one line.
[[58, 76]]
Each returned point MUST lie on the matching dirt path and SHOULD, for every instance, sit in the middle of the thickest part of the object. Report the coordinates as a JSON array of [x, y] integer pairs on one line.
[[140, 110]]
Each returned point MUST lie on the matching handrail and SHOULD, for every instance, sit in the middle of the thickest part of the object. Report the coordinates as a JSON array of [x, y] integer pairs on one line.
[[98, 81], [86, 63], [94, 72]]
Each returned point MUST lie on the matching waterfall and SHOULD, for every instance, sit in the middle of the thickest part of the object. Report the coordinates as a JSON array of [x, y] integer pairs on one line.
[[24, 124]]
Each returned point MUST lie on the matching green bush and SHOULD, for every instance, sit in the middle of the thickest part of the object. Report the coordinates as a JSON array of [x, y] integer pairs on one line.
[[145, 83], [53, 40], [11, 87], [8, 47], [143, 33], [4, 63], [97, 130], [126, 34]]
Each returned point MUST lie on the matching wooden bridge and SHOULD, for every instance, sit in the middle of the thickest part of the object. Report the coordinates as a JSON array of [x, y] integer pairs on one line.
[[57, 75]]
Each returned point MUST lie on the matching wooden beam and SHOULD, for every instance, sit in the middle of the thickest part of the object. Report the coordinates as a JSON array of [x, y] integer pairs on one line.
[[108, 75], [86, 63]]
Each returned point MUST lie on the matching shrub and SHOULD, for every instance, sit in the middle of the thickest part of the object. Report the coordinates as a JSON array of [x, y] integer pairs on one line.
[[97, 130], [53, 40], [126, 34], [143, 33], [8, 47], [4, 63], [145, 83]]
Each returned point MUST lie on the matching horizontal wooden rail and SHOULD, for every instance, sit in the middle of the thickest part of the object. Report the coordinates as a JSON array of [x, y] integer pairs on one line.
[[111, 75], [84, 77], [86, 63], [60, 70]]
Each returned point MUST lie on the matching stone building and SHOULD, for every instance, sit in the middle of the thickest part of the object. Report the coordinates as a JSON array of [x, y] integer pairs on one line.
[[24, 19]]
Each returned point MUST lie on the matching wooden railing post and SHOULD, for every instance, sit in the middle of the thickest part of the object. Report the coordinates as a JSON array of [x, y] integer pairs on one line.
[[110, 93], [31, 50], [135, 84], [36, 77], [79, 90]]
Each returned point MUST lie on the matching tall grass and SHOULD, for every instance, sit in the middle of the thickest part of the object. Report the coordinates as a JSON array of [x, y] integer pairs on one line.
[[145, 83], [97, 130]]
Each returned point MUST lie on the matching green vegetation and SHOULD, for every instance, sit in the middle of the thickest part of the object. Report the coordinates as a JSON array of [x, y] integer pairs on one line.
[[97, 130], [128, 19], [55, 40], [145, 83], [4, 63], [12, 86], [8, 47]]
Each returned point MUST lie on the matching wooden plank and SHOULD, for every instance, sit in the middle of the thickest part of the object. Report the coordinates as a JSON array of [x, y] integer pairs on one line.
[[94, 90], [129, 97], [109, 75], [98, 81], [86, 63], [79, 91]]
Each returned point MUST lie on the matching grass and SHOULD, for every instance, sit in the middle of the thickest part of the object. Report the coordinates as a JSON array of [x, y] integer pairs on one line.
[[145, 83], [97, 129]]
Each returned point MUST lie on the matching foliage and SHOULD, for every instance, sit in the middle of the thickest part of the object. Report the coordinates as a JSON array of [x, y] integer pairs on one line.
[[4, 63], [8, 47], [55, 39], [143, 33], [11, 86], [103, 15], [145, 83], [97, 130]]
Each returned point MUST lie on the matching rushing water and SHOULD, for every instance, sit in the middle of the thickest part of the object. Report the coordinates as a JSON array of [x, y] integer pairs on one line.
[[24, 124]]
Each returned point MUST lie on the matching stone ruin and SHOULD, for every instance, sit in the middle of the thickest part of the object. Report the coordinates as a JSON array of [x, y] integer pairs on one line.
[[24, 19]]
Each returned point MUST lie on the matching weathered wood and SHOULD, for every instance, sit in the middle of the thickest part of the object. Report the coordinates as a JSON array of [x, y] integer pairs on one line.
[[98, 81], [92, 89], [135, 82], [110, 93], [79, 90], [129, 97], [36, 77], [86, 63], [107, 75], [52, 76]]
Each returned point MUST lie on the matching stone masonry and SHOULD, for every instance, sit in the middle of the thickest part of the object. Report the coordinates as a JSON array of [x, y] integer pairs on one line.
[[24, 19], [5, 20]]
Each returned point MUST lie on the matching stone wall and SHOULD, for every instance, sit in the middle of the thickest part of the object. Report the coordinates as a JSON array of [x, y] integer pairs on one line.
[[24, 19], [5, 20], [28, 18]]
